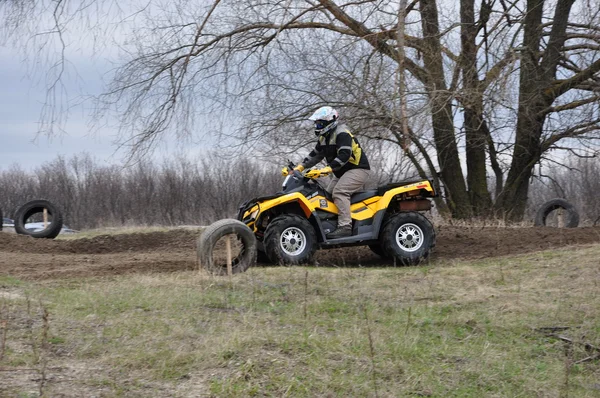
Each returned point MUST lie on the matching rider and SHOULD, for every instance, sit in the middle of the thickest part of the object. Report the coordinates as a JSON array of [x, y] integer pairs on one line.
[[345, 158]]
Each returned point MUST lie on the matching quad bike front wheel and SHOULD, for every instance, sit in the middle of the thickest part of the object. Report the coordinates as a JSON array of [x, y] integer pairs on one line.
[[378, 249], [261, 257], [290, 239], [408, 238]]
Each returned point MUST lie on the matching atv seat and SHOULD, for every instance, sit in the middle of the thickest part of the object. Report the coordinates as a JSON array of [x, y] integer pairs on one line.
[[362, 195]]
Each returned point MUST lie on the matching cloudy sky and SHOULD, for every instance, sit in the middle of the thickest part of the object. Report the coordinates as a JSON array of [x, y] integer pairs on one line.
[[22, 95], [21, 99], [90, 56]]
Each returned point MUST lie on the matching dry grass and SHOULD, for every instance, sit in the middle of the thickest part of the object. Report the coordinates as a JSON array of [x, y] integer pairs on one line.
[[461, 328]]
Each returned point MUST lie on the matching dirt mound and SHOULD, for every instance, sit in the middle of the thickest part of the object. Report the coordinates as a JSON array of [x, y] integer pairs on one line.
[[117, 243], [28, 258], [482, 242], [477, 242]]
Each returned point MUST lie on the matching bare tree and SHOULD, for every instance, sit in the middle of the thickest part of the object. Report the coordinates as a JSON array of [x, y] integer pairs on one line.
[[176, 192], [260, 67], [556, 58]]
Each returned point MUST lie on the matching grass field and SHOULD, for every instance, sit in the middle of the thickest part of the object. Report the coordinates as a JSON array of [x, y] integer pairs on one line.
[[524, 326]]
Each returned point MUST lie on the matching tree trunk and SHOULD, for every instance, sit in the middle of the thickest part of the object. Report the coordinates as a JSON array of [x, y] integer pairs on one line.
[[535, 78], [442, 119], [472, 101], [494, 161], [513, 199]]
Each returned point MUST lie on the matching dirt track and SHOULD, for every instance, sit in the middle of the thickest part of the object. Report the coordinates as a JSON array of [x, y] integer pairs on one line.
[[29, 258]]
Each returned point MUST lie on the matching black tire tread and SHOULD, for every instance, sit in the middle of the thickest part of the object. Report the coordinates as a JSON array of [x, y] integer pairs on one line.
[[378, 249], [389, 230], [271, 239], [32, 207], [261, 257], [215, 231], [548, 207]]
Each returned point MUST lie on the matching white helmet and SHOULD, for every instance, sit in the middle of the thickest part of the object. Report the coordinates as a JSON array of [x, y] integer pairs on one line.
[[325, 119]]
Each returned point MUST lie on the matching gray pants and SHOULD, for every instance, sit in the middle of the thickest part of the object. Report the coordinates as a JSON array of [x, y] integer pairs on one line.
[[342, 188]]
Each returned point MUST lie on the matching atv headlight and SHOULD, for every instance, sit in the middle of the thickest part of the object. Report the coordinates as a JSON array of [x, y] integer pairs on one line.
[[254, 214]]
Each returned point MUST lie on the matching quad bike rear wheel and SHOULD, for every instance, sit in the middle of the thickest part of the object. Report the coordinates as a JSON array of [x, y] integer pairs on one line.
[[211, 247], [290, 239], [408, 238]]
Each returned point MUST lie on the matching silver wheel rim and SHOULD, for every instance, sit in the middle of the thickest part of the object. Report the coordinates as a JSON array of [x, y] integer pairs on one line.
[[292, 241], [409, 237]]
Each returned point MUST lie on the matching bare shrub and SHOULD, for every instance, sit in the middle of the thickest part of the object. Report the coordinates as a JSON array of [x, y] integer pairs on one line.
[[578, 182], [176, 192]]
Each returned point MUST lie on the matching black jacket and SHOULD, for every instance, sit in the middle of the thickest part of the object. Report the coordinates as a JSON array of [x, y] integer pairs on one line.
[[341, 150]]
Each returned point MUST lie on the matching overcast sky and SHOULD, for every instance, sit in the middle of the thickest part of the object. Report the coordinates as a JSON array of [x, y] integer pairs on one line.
[[21, 100]]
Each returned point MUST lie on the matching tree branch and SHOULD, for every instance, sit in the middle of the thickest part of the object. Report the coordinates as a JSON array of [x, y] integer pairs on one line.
[[570, 105], [557, 39], [571, 132], [562, 86], [363, 32], [494, 72]]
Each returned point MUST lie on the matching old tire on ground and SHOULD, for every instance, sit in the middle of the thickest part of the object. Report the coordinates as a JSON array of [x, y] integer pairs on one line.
[[34, 207], [211, 235], [408, 238], [572, 216], [289, 240]]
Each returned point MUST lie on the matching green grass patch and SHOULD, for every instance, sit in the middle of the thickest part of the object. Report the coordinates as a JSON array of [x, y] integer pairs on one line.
[[496, 327], [9, 281]]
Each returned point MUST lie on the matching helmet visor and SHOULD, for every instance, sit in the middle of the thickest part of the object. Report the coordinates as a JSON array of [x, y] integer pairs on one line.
[[321, 124]]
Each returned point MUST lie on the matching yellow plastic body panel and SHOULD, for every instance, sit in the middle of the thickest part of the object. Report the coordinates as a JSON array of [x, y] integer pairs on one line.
[[359, 211], [291, 197], [306, 206], [320, 202], [365, 209]]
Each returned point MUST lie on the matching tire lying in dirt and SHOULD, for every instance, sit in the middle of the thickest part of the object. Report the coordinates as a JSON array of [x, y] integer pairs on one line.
[[211, 247], [408, 238], [36, 207], [571, 218], [290, 240]]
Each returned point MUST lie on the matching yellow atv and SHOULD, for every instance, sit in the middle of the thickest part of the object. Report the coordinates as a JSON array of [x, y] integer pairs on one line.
[[292, 224]]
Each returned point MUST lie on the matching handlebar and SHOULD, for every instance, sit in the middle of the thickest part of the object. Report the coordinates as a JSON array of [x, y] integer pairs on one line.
[[299, 174]]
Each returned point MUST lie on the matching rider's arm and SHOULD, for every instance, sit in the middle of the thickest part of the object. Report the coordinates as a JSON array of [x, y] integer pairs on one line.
[[343, 143], [314, 157]]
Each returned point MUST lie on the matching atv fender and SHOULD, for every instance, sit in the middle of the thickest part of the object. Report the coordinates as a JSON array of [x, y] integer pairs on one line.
[[285, 199], [417, 187], [384, 202]]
